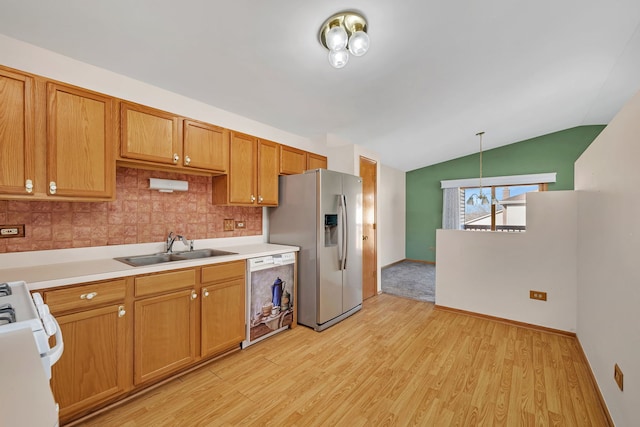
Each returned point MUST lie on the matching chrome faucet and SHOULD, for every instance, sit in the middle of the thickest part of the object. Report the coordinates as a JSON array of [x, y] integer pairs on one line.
[[171, 240]]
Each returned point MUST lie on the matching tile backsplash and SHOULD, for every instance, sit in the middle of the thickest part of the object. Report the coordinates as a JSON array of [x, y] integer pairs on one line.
[[138, 215]]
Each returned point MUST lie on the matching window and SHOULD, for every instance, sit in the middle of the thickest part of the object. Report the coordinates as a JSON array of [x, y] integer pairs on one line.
[[507, 213], [497, 208]]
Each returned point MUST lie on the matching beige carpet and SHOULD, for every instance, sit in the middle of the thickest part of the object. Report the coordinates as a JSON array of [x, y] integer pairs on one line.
[[410, 279]]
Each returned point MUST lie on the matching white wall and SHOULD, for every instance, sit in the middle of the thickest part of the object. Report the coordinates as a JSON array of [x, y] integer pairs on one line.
[[492, 273], [391, 215], [607, 179]]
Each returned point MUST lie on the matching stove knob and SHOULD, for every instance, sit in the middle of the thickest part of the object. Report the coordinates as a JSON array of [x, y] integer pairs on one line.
[[49, 325], [37, 299], [43, 311]]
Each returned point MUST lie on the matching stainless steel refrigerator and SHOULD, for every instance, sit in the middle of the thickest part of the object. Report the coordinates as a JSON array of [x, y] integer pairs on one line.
[[321, 212]]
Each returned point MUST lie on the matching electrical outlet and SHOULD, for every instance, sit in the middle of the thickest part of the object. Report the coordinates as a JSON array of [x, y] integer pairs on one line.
[[7, 231], [228, 225], [617, 375], [538, 295], [240, 224]]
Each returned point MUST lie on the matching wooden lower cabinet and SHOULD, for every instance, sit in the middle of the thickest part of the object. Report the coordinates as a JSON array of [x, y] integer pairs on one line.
[[222, 316], [165, 335], [123, 335], [93, 367]]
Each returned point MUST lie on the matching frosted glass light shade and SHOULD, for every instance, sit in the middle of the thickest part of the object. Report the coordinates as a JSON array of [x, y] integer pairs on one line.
[[338, 58], [359, 43], [336, 38]]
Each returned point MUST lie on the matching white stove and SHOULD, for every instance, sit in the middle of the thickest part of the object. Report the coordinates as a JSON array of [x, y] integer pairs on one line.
[[19, 310]]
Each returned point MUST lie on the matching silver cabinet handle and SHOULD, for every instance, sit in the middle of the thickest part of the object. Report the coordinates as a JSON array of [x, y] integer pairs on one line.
[[175, 158], [194, 295], [89, 296], [260, 199], [253, 198], [28, 186], [205, 292], [187, 160], [121, 311], [53, 187]]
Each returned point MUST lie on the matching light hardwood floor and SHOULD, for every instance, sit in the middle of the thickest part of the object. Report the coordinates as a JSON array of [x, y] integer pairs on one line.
[[396, 362]]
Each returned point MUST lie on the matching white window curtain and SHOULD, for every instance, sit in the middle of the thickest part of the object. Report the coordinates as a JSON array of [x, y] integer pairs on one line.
[[451, 208]]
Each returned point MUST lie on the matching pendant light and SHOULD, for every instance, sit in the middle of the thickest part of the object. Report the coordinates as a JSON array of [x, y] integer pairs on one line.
[[480, 198]]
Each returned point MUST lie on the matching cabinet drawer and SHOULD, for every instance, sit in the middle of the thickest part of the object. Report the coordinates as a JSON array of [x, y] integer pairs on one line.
[[222, 272], [164, 282], [85, 296]]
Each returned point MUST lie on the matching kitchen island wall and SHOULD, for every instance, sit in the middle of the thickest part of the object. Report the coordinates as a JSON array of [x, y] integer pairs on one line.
[[137, 215]]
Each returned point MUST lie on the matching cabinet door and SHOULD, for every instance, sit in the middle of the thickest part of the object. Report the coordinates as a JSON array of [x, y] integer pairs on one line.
[[223, 317], [16, 133], [242, 169], [165, 338], [292, 160], [267, 173], [315, 161], [93, 365], [80, 143], [149, 134], [205, 146]]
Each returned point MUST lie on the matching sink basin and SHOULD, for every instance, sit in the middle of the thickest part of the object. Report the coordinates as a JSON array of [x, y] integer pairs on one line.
[[140, 260], [202, 253]]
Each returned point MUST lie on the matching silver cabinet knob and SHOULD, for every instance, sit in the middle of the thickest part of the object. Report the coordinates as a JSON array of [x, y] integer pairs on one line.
[[205, 292], [175, 158], [53, 187], [121, 311], [187, 160], [253, 198], [260, 199], [194, 295], [28, 186]]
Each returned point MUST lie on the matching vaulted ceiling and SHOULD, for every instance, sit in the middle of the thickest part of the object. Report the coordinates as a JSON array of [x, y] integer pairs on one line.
[[436, 73]]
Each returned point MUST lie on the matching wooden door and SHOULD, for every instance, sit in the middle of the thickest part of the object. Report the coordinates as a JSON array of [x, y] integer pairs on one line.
[[292, 160], [80, 144], [267, 173], [242, 169], [93, 365], [222, 316], [16, 133], [368, 172], [165, 338], [205, 146], [149, 134], [316, 161]]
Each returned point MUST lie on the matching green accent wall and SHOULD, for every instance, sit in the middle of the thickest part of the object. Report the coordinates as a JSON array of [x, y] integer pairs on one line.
[[555, 152]]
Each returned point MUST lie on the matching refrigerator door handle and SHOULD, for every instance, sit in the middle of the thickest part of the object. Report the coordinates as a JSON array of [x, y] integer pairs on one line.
[[344, 231], [340, 232]]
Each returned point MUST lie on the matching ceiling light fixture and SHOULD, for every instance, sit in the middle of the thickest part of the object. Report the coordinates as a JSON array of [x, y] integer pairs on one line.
[[342, 33]]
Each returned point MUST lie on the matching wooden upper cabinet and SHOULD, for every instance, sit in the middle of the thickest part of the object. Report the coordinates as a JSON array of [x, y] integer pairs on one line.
[[17, 143], [149, 134], [292, 160], [242, 169], [252, 179], [316, 161], [267, 170], [80, 143], [205, 146]]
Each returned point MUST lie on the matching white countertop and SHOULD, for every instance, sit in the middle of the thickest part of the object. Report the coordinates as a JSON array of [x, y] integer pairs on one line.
[[91, 264]]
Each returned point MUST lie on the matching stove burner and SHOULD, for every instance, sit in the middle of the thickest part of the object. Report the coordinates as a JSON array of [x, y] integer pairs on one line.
[[5, 290], [7, 314]]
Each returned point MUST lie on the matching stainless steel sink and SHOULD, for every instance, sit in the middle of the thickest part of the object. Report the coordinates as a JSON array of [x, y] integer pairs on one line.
[[140, 260], [203, 253]]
